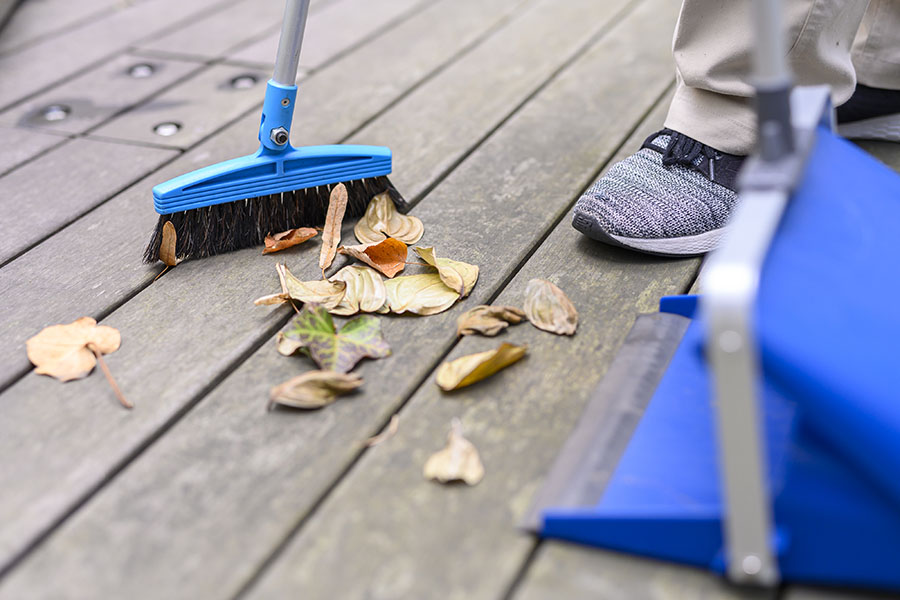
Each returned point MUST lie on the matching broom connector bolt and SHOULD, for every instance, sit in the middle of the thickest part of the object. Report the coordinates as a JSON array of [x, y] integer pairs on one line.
[[280, 136], [285, 102]]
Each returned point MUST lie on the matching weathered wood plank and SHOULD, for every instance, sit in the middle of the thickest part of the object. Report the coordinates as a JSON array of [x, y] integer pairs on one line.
[[574, 573], [33, 282], [98, 94], [200, 106], [19, 145], [886, 152], [34, 68], [51, 191], [815, 593], [36, 19], [330, 31], [271, 468]]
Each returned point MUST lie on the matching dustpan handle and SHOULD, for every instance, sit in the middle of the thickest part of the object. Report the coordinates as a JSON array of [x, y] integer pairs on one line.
[[775, 135], [292, 28]]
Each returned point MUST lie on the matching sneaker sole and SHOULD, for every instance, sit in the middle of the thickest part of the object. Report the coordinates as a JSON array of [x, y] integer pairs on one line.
[[692, 245], [880, 128]]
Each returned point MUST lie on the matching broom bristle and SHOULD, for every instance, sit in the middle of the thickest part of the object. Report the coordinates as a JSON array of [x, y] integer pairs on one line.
[[231, 226]]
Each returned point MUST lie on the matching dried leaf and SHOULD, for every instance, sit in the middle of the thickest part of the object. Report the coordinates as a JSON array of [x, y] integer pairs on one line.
[[383, 220], [488, 320], [285, 346], [365, 290], [548, 308], [167, 246], [313, 329], [385, 435], [473, 368], [388, 255], [321, 291], [288, 239], [422, 294], [331, 234], [458, 461], [271, 299], [62, 351], [456, 275], [314, 389]]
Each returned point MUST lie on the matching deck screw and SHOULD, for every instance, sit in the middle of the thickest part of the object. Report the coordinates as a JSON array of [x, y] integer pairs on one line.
[[167, 129], [56, 112], [141, 70], [242, 82], [280, 136]]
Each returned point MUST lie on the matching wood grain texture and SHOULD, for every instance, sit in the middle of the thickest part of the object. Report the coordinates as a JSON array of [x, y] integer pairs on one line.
[[55, 189], [37, 19], [327, 112], [98, 94], [41, 65], [22, 144], [202, 105]]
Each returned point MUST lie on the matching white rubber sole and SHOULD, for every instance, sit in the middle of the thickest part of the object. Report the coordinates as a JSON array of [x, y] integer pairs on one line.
[[885, 128], [692, 245]]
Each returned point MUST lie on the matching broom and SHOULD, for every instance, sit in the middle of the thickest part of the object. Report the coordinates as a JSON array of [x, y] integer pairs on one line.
[[236, 203]]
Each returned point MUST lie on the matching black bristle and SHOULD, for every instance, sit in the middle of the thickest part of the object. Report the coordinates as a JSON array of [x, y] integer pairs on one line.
[[231, 226]]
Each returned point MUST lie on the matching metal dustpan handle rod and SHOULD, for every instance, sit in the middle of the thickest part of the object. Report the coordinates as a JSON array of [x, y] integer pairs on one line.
[[773, 81]]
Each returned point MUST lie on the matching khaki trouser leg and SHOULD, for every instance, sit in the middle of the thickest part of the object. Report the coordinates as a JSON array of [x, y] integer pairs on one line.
[[876, 51], [714, 53]]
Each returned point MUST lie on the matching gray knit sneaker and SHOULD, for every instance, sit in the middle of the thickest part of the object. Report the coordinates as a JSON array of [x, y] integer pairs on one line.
[[673, 198]]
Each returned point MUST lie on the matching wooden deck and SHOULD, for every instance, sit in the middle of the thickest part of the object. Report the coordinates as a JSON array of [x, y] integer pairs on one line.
[[499, 113]]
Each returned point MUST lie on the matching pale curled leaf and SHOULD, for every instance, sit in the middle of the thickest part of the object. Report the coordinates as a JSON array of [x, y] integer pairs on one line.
[[66, 352], [276, 242], [458, 461], [385, 435], [321, 291], [383, 220], [331, 234], [423, 294], [473, 368], [456, 275], [365, 291], [167, 246], [313, 331], [285, 346], [271, 299], [314, 389], [387, 256], [548, 308], [488, 320]]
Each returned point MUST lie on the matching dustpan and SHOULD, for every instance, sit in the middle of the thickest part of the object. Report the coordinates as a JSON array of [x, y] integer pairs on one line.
[[755, 431]]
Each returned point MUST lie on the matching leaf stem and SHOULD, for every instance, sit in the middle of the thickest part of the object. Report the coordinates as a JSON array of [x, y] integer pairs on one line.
[[109, 378]]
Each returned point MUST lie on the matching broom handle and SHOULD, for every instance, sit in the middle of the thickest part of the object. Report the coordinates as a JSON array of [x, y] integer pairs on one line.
[[292, 27]]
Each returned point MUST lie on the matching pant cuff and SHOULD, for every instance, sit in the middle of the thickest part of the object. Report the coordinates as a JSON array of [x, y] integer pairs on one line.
[[727, 123]]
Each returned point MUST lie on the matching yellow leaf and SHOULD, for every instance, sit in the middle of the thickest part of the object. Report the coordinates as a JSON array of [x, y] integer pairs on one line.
[[365, 290], [314, 389], [548, 308], [473, 368], [422, 294], [321, 291], [388, 255], [383, 220], [456, 275], [277, 242], [61, 351], [458, 461], [167, 246], [488, 320], [331, 234]]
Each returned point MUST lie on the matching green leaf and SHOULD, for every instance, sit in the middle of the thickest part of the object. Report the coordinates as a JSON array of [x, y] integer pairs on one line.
[[313, 330]]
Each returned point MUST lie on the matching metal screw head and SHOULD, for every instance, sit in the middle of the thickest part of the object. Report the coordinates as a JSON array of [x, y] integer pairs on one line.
[[242, 82], [280, 136], [141, 70], [285, 102], [751, 565], [167, 129], [55, 112]]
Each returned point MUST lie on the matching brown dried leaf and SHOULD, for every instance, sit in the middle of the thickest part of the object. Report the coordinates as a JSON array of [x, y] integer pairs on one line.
[[365, 290], [388, 255], [488, 320], [423, 294], [271, 299], [276, 242], [63, 352], [314, 389], [331, 234], [326, 293], [167, 247], [383, 220], [458, 461], [456, 275], [548, 308], [473, 368]]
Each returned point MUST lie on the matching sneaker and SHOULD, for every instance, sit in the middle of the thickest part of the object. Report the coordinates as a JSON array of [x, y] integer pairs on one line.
[[871, 114], [671, 198]]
